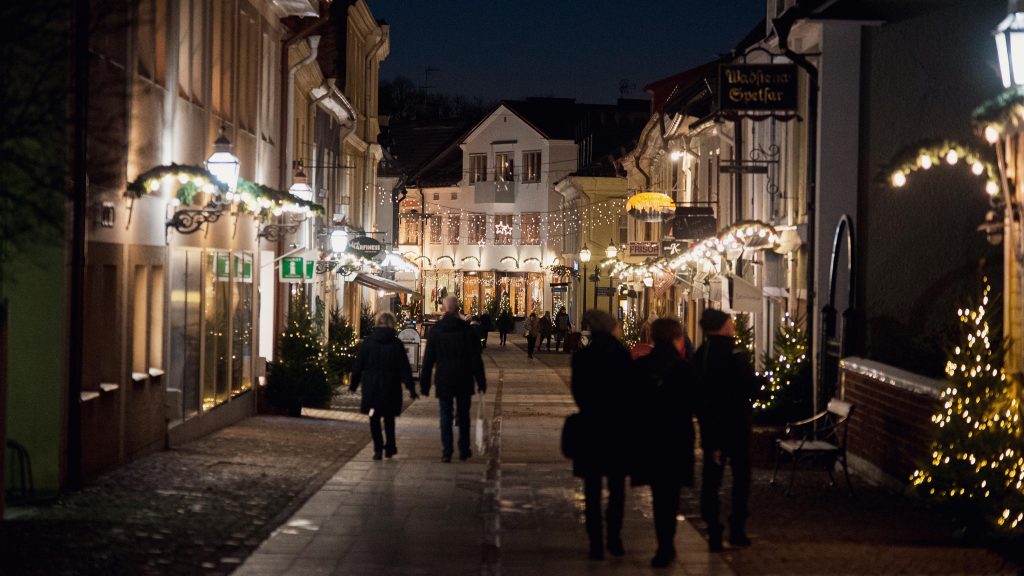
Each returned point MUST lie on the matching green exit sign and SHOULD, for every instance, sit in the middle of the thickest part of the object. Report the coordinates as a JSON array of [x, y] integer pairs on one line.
[[297, 269]]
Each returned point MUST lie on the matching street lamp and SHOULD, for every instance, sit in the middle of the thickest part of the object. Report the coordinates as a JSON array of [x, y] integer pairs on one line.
[[223, 164], [1009, 37], [339, 240], [300, 188], [611, 251], [584, 258]]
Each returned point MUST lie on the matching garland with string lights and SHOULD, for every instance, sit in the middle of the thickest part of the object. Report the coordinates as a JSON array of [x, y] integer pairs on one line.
[[924, 156], [786, 378], [977, 458]]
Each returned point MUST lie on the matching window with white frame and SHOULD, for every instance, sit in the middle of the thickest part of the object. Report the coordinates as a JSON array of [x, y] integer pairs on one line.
[[503, 170], [477, 168], [503, 229], [436, 221], [477, 229], [531, 166], [454, 222], [529, 228]]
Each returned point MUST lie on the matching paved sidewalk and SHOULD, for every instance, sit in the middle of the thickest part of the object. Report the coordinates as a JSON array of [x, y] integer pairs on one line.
[[515, 510]]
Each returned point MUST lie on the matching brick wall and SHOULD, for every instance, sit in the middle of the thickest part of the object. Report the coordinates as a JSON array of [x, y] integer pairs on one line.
[[891, 427]]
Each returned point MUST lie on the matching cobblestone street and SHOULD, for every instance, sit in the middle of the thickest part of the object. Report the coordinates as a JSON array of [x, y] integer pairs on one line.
[[198, 509]]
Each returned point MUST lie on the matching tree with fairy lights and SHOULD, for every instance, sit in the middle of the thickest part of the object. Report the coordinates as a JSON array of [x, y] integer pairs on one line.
[[785, 392], [745, 332], [299, 375], [977, 458], [340, 348], [631, 329]]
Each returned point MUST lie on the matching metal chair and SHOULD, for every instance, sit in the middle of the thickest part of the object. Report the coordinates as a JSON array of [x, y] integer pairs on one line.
[[820, 438]]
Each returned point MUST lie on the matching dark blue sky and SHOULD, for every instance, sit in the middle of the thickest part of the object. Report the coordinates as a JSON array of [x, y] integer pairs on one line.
[[577, 48]]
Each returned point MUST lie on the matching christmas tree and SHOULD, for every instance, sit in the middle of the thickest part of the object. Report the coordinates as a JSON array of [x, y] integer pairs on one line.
[[340, 349], [786, 379], [299, 377], [745, 333], [631, 329], [977, 459]]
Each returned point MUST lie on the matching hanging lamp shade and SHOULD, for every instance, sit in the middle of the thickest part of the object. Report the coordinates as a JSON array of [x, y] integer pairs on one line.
[[1009, 36], [650, 206]]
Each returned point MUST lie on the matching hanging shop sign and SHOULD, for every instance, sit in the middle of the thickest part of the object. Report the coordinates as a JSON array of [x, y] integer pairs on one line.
[[742, 168], [559, 289], [297, 269], [643, 249], [365, 246], [694, 223], [606, 291], [766, 87]]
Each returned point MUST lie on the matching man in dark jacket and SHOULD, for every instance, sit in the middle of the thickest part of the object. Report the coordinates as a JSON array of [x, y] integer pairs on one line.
[[601, 375], [727, 384], [455, 349], [664, 419], [382, 367]]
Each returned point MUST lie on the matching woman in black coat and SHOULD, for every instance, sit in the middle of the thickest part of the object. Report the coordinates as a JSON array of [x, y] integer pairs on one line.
[[667, 390], [600, 385], [382, 367]]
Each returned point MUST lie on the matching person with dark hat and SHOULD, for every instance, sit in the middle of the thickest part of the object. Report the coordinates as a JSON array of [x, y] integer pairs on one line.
[[727, 385]]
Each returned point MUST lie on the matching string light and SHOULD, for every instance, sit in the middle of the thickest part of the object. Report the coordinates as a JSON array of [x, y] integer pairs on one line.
[[927, 156]]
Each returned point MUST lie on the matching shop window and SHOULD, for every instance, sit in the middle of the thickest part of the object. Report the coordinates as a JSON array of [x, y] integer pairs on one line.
[[241, 323], [477, 168], [140, 303], [454, 222], [503, 229], [529, 228], [503, 171], [531, 166], [184, 315], [216, 310], [156, 318]]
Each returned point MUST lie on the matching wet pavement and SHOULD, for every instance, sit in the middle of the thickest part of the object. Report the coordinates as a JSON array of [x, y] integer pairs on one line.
[[515, 509]]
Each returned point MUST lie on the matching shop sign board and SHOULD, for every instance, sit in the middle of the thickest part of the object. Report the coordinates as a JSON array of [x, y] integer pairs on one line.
[[694, 223], [559, 289], [411, 340], [643, 249], [606, 291], [764, 87], [297, 269], [365, 246]]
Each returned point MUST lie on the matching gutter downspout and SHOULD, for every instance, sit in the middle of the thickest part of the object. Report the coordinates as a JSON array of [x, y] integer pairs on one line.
[[371, 56], [289, 149], [782, 26]]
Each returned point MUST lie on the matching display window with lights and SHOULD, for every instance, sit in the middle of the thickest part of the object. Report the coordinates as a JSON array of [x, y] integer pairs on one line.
[[210, 314]]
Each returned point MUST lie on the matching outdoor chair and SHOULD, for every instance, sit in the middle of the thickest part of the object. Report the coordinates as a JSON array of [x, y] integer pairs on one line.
[[820, 439]]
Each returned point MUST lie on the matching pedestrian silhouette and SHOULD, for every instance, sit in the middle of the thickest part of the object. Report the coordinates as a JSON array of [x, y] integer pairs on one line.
[[600, 376], [454, 348], [667, 391], [727, 385], [381, 368]]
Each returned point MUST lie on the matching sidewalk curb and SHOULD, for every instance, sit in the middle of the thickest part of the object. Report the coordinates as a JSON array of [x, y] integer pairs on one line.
[[490, 553]]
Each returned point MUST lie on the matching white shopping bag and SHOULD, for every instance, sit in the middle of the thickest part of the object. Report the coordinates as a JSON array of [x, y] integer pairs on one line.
[[478, 426]]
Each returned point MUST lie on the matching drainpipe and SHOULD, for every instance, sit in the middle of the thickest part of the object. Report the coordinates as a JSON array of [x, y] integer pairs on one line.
[[371, 56], [782, 26], [76, 305], [289, 152]]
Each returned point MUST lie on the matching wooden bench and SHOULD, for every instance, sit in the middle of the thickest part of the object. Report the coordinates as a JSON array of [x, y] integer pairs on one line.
[[820, 439]]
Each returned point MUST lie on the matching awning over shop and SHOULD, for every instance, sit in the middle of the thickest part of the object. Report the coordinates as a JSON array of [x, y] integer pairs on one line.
[[378, 283], [744, 296]]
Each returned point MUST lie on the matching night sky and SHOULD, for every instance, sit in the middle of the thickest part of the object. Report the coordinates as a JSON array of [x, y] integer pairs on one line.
[[496, 49]]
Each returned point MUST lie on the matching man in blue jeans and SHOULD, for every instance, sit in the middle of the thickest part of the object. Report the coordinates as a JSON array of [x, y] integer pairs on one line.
[[455, 348]]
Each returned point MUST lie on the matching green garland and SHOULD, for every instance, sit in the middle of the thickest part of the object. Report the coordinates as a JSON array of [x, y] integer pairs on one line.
[[151, 180], [932, 153]]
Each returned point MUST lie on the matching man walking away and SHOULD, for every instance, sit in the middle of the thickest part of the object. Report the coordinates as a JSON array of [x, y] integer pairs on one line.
[[546, 327], [727, 385], [561, 328], [531, 333], [455, 349]]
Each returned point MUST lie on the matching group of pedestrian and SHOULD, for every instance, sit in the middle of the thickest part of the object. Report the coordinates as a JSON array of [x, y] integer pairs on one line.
[[637, 419], [538, 331]]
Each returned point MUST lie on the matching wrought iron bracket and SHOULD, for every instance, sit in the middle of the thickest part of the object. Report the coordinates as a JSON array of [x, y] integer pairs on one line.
[[274, 232], [190, 221]]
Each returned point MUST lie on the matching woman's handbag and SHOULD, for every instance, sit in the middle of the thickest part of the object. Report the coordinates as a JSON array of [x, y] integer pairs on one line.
[[572, 436]]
